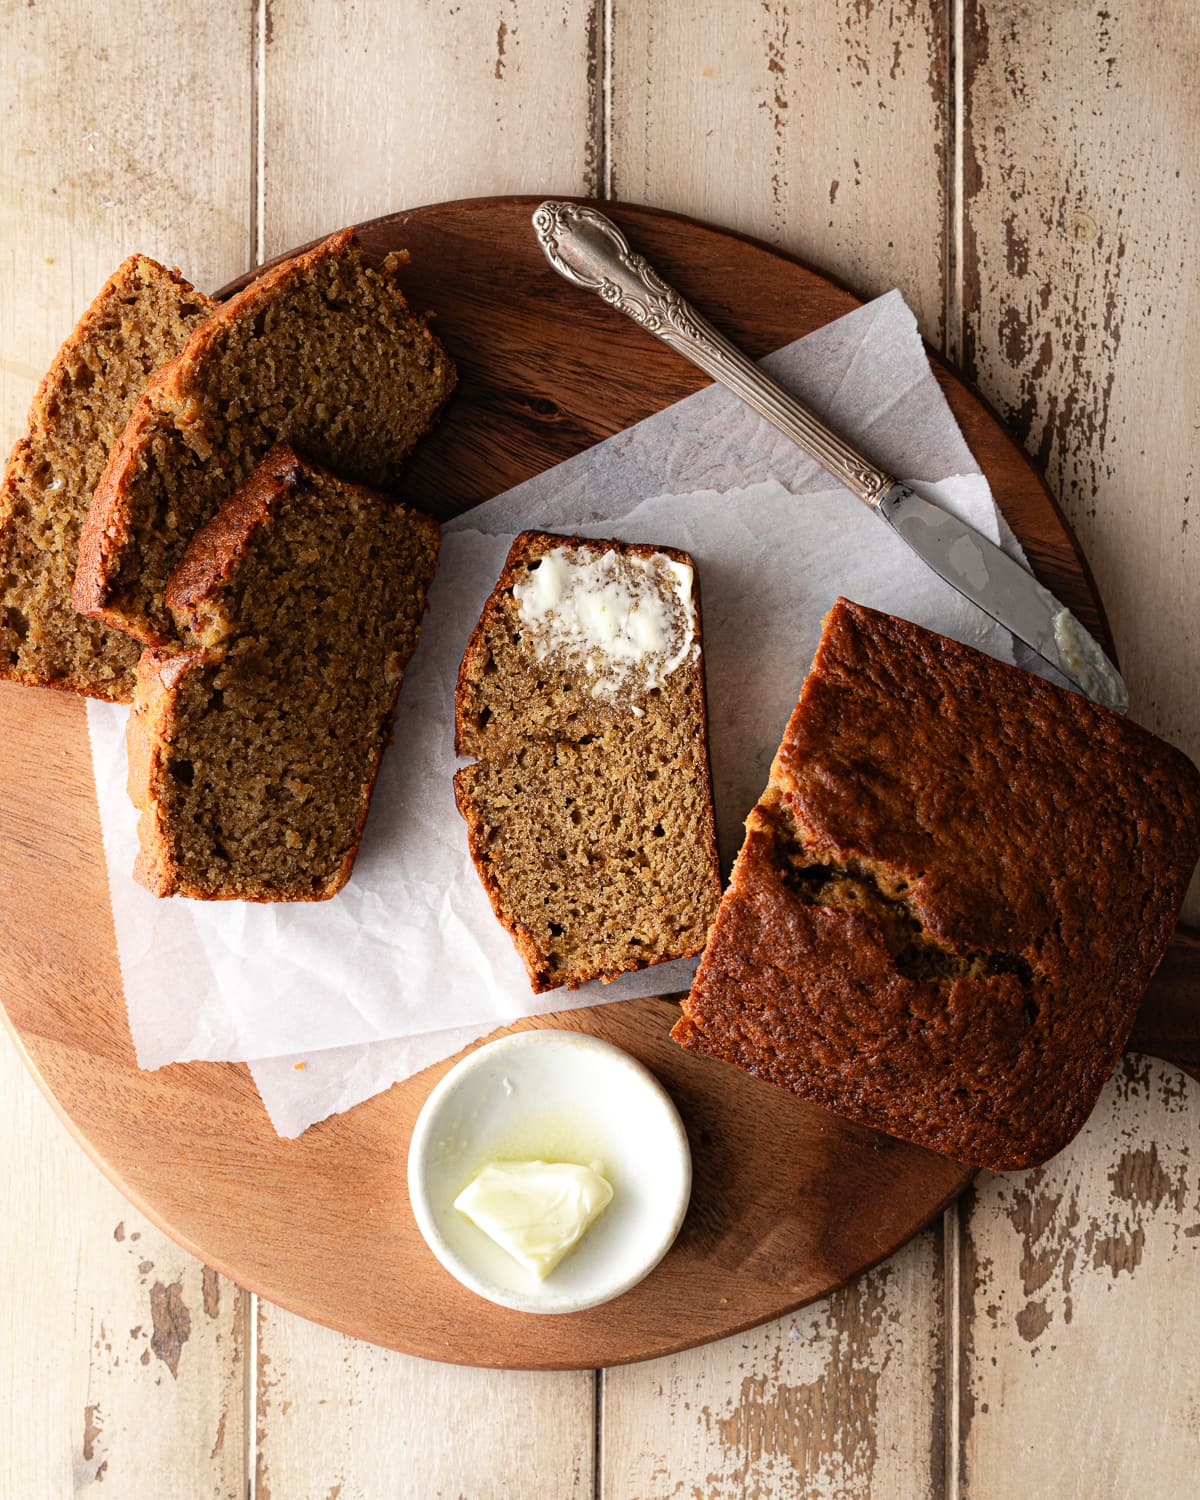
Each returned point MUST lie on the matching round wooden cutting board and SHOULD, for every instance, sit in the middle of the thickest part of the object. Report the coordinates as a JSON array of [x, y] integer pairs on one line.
[[789, 1202]]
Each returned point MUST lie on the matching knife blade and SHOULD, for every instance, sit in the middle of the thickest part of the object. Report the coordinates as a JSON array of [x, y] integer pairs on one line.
[[588, 249]]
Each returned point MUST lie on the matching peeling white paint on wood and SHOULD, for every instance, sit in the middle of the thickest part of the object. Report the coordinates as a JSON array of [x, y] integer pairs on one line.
[[818, 127], [841, 1400], [340, 1417], [123, 1358], [371, 108], [1079, 1293], [782, 124], [1081, 237]]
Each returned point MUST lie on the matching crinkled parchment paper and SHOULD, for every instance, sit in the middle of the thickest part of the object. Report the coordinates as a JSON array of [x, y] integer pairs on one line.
[[408, 964]]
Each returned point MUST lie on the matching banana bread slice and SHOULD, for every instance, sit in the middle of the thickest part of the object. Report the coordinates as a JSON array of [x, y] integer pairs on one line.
[[589, 805], [252, 754], [950, 898], [321, 352], [140, 319]]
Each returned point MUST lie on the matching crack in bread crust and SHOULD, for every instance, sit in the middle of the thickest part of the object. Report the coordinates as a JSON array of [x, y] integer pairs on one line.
[[881, 896]]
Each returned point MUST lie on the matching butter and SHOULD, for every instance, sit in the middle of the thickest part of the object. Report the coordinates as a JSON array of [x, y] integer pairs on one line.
[[1091, 670], [625, 622], [537, 1211]]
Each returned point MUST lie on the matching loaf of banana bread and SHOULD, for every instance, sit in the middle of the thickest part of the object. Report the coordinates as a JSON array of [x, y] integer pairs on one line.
[[950, 898]]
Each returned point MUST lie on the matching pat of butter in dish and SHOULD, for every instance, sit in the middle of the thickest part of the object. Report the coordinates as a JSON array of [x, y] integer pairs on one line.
[[537, 1211], [624, 620]]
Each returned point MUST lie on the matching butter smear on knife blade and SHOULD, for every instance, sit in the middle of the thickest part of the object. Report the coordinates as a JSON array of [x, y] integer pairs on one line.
[[1089, 667]]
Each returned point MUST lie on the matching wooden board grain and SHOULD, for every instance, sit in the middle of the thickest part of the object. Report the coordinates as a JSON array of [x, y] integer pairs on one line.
[[789, 1202]]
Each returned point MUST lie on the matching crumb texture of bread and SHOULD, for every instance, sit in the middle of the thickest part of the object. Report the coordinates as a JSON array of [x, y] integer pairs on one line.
[[322, 353], [254, 751], [950, 898], [589, 807], [141, 319]]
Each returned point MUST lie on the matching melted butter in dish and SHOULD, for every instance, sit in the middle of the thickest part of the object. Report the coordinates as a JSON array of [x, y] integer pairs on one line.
[[537, 1211], [626, 622]]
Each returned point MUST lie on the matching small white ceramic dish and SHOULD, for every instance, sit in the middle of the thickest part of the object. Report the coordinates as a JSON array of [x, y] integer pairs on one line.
[[552, 1096]]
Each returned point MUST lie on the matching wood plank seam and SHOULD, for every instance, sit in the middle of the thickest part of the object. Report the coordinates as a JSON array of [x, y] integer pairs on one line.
[[604, 175], [257, 208], [600, 179], [953, 324], [598, 1435], [955, 104], [258, 75], [250, 1399], [951, 1341]]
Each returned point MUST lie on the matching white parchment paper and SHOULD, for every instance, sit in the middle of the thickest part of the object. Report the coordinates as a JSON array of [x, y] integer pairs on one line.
[[408, 964]]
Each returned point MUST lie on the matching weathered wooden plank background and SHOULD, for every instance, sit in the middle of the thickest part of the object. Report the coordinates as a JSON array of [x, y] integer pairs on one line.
[[1026, 174]]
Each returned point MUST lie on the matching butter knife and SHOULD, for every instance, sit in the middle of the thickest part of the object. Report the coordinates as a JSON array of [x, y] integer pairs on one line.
[[589, 250]]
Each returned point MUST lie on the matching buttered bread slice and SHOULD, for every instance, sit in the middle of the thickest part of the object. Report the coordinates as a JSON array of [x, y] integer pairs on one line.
[[589, 804], [253, 753], [321, 352]]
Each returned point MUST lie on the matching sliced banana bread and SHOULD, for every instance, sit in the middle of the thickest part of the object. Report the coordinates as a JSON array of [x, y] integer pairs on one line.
[[253, 753], [950, 898], [140, 319], [589, 806], [321, 352]]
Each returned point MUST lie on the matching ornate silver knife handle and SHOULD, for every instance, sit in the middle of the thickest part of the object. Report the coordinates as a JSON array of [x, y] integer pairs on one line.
[[589, 250]]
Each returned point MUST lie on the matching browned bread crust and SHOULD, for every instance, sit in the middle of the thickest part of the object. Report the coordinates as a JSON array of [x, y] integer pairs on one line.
[[556, 771], [253, 754], [149, 732], [217, 548], [140, 319], [322, 352], [950, 898]]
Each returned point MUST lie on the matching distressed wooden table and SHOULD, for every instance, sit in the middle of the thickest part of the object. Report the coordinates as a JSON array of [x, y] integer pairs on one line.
[[1026, 174]]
